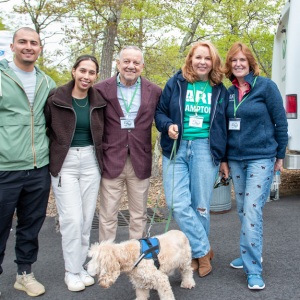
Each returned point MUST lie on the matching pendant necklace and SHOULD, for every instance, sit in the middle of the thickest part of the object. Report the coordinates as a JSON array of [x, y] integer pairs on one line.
[[87, 100]]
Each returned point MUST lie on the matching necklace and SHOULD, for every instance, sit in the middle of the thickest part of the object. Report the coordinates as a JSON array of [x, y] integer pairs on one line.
[[87, 100]]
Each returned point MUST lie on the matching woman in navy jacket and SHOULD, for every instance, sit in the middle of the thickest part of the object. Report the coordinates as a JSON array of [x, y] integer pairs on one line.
[[257, 139], [191, 116]]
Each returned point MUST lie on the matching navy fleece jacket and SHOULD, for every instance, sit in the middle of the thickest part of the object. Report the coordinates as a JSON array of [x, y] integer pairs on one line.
[[263, 126], [170, 111]]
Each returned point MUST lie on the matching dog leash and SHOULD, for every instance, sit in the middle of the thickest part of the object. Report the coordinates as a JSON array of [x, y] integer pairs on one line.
[[173, 154]]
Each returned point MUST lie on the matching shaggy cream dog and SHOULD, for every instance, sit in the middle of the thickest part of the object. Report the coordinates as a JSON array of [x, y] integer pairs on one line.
[[110, 259]]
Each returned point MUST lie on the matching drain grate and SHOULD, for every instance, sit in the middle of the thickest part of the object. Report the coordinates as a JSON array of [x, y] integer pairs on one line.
[[123, 218]]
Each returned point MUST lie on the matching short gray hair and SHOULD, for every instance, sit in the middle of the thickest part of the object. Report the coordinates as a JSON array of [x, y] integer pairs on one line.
[[130, 47]]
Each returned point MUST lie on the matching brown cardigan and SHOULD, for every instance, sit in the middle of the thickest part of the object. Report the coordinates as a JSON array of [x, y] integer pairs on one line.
[[61, 118], [117, 142]]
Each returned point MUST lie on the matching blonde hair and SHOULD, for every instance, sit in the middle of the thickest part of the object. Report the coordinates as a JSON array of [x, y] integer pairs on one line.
[[215, 76], [235, 48]]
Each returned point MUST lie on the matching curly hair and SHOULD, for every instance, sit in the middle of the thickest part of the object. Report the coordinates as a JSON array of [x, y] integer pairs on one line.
[[215, 76], [232, 52]]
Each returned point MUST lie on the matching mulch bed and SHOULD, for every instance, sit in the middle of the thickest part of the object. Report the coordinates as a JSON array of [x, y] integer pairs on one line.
[[290, 180]]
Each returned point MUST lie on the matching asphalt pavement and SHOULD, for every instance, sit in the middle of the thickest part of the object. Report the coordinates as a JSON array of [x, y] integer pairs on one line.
[[281, 261]]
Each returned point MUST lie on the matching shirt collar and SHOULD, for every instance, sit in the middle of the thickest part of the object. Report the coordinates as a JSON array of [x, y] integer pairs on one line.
[[236, 83], [119, 83]]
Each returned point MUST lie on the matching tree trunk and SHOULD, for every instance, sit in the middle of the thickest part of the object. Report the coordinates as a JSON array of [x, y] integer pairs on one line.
[[110, 35], [108, 48]]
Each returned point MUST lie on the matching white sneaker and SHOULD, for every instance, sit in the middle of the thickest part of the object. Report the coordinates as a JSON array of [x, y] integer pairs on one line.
[[28, 284], [86, 278], [74, 282]]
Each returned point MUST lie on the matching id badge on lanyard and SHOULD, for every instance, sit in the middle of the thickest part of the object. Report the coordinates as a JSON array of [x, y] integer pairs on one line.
[[127, 123], [235, 124], [196, 121]]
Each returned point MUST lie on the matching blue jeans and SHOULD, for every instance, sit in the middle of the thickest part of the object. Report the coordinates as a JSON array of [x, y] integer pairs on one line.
[[188, 185], [252, 182]]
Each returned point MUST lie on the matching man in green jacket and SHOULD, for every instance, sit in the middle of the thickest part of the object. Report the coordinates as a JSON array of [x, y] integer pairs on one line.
[[24, 154]]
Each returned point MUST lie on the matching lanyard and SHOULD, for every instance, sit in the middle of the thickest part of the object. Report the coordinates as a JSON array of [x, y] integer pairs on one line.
[[196, 102], [236, 107], [128, 106]]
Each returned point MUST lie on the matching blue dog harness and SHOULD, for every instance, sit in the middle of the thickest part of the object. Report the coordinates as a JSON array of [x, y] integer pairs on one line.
[[149, 250]]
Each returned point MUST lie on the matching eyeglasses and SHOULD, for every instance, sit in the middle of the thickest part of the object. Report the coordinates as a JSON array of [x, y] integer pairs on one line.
[[221, 181]]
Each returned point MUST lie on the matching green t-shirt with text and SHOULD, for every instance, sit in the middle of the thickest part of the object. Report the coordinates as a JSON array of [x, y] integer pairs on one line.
[[197, 110]]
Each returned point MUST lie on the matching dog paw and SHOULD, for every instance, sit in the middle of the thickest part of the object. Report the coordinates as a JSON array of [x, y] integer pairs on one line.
[[188, 284]]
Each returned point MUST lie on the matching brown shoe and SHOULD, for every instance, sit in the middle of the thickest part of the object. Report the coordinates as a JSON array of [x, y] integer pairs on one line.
[[204, 264], [195, 264], [212, 254]]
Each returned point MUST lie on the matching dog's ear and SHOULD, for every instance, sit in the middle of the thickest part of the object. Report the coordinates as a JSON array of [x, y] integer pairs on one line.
[[93, 266], [109, 264], [94, 249]]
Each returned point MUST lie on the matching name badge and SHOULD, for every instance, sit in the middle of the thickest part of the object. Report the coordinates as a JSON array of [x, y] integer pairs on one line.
[[127, 123], [235, 124], [196, 121]]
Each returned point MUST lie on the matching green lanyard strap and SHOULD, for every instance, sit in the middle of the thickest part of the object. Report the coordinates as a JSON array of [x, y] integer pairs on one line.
[[194, 90], [128, 106], [236, 107]]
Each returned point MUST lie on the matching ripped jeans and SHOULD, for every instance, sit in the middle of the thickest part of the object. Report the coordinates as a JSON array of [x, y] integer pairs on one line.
[[188, 186]]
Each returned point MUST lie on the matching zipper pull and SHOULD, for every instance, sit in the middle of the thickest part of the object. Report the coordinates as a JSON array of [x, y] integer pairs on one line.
[[59, 181]]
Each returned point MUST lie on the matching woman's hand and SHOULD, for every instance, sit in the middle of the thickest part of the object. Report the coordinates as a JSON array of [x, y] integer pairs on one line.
[[224, 170], [173, 132], [278, 165]]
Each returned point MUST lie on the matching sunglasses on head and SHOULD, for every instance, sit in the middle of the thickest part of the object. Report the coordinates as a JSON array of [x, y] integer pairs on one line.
[[222, 181]]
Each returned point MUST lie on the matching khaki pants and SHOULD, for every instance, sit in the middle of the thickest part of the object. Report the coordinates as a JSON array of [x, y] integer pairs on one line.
[[111, 191]]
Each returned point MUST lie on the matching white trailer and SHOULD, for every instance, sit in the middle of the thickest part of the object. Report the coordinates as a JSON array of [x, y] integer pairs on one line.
[[286, 74], [5, 41]]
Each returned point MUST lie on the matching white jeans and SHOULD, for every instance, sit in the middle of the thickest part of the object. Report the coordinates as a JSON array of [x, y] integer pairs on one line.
[[76, 190]]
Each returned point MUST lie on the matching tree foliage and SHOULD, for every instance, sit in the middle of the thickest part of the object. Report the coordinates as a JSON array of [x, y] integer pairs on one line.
[[43, 13], [2, 26], [163, 29]]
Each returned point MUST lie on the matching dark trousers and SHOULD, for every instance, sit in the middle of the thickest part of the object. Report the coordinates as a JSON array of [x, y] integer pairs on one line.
[[27, 193]]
